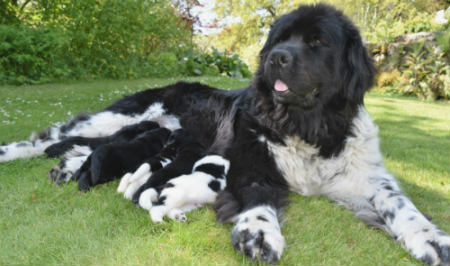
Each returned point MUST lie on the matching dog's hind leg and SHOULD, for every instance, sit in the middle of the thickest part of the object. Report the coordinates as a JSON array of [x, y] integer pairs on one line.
[[33, 147]]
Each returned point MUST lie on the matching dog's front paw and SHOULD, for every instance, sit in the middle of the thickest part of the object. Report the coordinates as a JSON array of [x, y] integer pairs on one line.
[[430, 245], [257, 234]]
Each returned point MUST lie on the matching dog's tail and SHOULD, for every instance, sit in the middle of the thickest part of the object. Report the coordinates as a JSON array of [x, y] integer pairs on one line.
[[35, 146]]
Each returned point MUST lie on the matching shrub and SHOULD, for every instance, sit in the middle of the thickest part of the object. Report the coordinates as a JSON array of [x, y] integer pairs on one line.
[[163, 65], [427, 73], [196, 63], [30, 55], [91, 39]]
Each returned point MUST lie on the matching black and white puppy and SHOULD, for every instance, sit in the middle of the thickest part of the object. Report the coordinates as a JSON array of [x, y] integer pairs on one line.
[[179, 194]]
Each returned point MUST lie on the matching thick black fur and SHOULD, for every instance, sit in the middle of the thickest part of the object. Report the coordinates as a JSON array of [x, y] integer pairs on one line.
[[113, 160], [125, 134]]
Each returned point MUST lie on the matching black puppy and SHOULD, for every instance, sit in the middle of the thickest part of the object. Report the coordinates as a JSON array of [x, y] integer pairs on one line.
[[113, 160]]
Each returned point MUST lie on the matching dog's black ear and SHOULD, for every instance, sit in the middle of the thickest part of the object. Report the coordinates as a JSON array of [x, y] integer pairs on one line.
[[358, 70], [279, 30]]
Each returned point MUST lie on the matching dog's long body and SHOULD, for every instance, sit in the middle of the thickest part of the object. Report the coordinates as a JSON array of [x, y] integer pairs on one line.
[[300, 126]]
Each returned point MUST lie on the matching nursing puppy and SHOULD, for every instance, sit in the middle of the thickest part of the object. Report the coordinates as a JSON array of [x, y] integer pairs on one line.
[[113, 160], [77, 149]]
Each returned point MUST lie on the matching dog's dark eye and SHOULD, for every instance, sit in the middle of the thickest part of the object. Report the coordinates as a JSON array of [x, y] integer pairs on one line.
[[315, 42]]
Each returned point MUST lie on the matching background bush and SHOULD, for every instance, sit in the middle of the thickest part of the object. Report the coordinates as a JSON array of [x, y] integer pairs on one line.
[[46, 40]]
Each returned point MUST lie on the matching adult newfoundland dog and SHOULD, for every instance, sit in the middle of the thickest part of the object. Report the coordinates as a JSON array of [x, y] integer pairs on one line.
[[300, 126]]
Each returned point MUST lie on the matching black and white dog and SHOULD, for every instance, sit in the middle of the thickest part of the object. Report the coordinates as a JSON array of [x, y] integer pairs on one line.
[[300, 126]]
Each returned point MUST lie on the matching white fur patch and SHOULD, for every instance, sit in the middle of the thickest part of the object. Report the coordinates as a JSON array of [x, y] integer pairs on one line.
[[189, 189], [188, 192], [213, 159], [147, 197], [131, 182], [23, 149], [124, 181], [74, 163], [78, 150], [309, 174]]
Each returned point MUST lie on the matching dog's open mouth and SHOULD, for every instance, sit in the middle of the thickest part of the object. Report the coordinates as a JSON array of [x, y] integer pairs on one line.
[[286, 95], [280, 86]]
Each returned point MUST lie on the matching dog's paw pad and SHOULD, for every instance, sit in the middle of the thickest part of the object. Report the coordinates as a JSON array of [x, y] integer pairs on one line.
[[177, 215]]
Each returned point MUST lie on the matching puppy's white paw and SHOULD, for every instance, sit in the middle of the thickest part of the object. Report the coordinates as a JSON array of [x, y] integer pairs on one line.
[[124, 182], [157, 214], [147, 197], [134, 185], [177, 215]]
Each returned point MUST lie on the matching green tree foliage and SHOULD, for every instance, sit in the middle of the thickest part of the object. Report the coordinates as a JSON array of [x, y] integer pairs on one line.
[[47, 39], [379, 20], [44, 40]]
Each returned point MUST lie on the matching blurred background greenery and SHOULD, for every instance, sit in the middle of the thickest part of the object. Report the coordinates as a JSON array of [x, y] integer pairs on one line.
[[45, 41]]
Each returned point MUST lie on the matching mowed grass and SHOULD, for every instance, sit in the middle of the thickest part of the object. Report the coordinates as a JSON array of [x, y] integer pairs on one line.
[[45, 224]]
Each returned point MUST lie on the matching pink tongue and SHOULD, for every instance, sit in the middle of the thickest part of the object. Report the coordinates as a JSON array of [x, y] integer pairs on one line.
[[280, 85]]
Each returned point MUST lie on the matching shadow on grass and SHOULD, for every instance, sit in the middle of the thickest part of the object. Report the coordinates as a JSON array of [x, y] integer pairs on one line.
[[403, 138]]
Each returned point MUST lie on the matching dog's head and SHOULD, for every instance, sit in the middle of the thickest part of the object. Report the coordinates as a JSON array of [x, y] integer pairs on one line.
[[312, 55]]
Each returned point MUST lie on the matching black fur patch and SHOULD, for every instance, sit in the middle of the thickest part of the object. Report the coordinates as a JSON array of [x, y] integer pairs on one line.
[[400, 203], [2, 152], [389, 215], [169, 185], [79, 118], [22, 144], [212, 169], [262, 218], [161, 200], [226, 207], [442, 251], [214, 185], [427, 259], [394, 194], [44, 134], [388, 187]]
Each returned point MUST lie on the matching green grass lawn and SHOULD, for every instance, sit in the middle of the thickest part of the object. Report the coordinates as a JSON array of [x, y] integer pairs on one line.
[[43, 224]]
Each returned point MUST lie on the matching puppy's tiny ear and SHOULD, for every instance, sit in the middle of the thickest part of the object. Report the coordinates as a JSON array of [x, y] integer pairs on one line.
[[358, 70]]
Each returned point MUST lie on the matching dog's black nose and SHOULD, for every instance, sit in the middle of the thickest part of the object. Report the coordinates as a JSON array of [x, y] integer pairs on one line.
[[282, 58]]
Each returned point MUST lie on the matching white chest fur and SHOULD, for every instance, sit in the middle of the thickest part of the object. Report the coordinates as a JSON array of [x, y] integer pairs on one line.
[[308, 173]]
